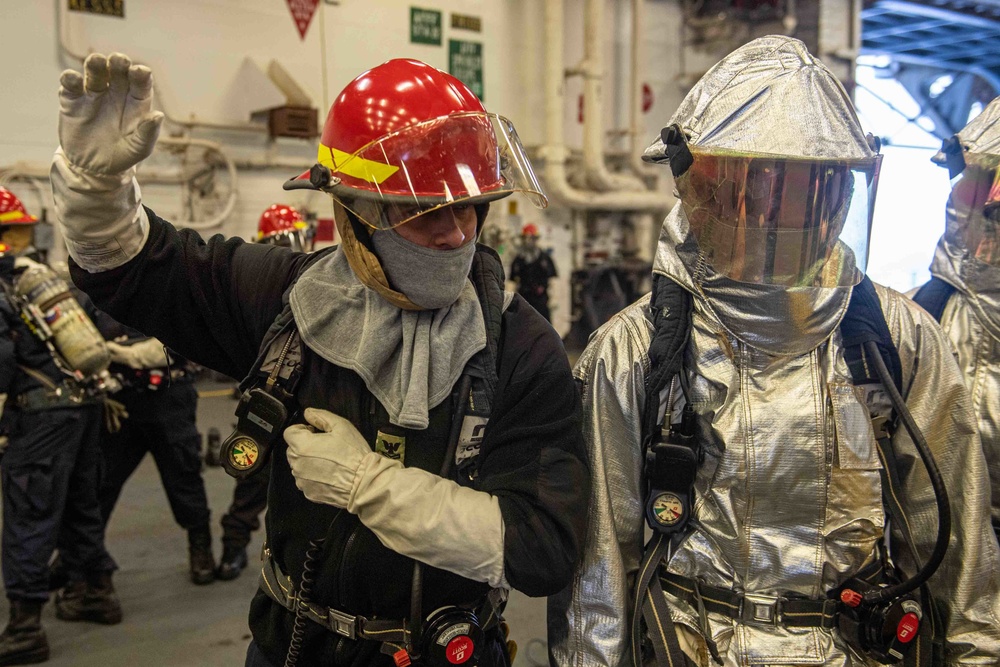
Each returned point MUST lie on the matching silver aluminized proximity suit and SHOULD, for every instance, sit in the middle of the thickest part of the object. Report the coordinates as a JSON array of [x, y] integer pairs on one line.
[[788, 499], [971, 318]]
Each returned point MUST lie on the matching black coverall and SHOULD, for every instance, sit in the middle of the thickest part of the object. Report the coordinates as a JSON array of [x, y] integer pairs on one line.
[[532, 278], [50, 471], [162, 420]]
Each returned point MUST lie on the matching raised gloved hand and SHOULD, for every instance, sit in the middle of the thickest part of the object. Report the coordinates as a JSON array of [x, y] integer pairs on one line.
[[147, 353], [106, 127], [106, 121], [411, 511]]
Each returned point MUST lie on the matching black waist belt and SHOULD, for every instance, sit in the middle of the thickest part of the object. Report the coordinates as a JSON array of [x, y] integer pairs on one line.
[[753, 609], [278, 586], [41, 398]]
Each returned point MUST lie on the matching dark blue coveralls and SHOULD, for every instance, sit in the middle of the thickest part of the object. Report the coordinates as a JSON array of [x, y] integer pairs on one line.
[[162, 421], [51, 469]]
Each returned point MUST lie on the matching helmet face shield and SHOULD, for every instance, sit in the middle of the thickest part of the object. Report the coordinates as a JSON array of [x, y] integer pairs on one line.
[[774, 220], [975, 196], [463, 158]]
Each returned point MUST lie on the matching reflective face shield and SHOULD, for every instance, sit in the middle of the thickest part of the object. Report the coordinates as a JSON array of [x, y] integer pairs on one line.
[[774, 220], [975, 197], [466, 158]]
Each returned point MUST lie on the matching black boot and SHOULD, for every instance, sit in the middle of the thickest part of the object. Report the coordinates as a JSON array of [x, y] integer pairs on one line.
[[201, 559], [234, 560], [92, 600], [23, 641]]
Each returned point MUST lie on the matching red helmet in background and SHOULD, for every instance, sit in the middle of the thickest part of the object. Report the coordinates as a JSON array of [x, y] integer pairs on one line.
[[530, 229], [282, 225], [12, 210], [413, 138]]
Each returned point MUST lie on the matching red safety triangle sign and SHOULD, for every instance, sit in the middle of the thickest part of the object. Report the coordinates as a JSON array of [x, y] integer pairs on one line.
[[302, 13]]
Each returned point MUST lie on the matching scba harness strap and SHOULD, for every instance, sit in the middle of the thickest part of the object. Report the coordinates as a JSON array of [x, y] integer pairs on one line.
[[670, 497]]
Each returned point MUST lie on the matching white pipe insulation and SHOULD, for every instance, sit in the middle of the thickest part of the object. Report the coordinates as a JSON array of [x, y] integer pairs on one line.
[[555, 151], [592, 67], [637, 139]]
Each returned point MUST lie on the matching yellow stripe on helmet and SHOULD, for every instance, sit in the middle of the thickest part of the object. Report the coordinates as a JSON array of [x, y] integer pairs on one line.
[[354, 166], [13, 215]]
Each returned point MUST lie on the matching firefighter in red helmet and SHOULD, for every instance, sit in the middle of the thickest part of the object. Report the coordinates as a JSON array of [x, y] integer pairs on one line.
[[531, 270], [17, 227], [283, 225], [415, 477]]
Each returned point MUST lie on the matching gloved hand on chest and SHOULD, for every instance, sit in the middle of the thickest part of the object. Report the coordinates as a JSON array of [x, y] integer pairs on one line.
[[413, 512], [328, 457]]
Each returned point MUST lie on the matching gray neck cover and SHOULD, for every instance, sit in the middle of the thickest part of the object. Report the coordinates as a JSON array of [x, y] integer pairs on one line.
[[409, 360], [429, 278]]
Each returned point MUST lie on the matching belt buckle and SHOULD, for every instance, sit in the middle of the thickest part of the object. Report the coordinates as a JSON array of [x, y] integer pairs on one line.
[[343, 624], [761, 609]]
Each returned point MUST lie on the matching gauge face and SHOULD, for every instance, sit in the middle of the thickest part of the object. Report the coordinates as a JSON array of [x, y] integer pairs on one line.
[[668, 509], [243, 453]]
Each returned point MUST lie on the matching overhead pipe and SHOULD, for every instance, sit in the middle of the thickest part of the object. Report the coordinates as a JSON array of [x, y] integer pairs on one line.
[[637, 140], [592, 69], [555, 151]]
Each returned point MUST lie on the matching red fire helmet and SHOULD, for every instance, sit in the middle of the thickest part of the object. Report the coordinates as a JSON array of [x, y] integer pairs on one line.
[[278, 219], [282, 225], [413, 138], [530, 229], [12, 210]]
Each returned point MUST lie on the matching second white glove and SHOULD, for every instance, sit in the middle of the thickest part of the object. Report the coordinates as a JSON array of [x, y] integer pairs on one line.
[[147, 353]]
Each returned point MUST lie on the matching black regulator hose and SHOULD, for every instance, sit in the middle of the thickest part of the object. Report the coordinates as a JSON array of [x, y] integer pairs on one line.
[[937, 482]]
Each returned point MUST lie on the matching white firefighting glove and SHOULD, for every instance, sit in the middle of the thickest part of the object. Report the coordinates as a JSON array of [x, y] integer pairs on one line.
[[147, 353], [106, 127], [411, 511]]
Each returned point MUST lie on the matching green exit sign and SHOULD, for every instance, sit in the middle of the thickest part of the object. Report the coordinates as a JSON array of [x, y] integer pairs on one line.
[[425, 26]]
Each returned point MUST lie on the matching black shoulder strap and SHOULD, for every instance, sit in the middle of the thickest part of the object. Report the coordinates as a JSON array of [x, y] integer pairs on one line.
[[670, 307], [488, 278], [933, 296], [283, 321], [865, 322]]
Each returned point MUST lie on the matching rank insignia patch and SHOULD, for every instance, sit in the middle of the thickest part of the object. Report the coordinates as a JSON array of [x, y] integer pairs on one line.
[[391, 446]]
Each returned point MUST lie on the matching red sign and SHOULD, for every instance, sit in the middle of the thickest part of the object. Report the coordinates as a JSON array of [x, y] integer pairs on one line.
[[647, 98], [302, 13]]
